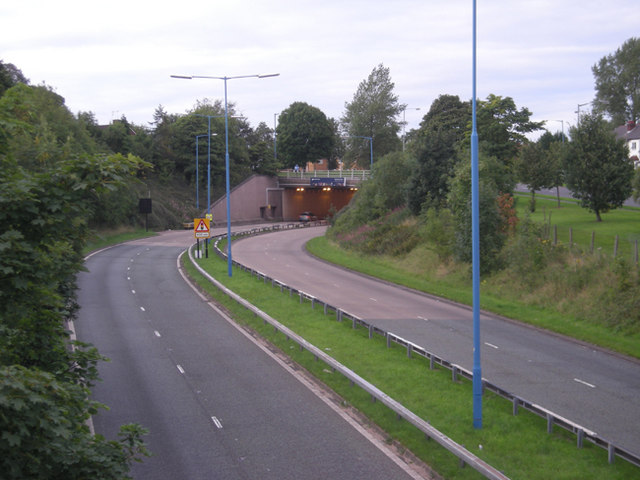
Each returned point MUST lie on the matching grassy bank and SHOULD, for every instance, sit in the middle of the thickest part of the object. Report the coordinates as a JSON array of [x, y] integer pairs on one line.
[[105, 238], [518, 445]]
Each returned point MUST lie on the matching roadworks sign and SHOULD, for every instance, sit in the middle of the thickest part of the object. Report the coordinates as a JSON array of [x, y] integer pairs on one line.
[[201, 228]]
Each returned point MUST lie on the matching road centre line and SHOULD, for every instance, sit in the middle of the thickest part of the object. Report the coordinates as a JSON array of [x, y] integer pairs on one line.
[[157, 333], [491, 345], [371, 298], [216, 422], [423, 318], [584, 383], [180, 369]]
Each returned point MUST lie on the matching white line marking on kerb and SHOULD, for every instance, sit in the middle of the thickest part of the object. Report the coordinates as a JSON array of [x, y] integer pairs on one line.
[[216, 422], [584, 383], [491, 345], [180, 369]]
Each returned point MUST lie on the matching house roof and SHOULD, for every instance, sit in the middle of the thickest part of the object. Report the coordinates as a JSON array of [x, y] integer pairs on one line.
[[628, 134]]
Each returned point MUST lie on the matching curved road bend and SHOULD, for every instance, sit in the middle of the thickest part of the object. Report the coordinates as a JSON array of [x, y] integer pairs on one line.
[[216, 405], [597, 390]]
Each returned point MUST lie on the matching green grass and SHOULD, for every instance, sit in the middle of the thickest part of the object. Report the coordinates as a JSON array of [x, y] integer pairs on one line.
[[106, 238], [517, 445], [623, 222]]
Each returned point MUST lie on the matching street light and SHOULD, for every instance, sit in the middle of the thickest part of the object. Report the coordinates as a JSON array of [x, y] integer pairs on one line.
[[370, 147], [226, 142], [475, 246], [404, 123], [209, 135], [578, 112]]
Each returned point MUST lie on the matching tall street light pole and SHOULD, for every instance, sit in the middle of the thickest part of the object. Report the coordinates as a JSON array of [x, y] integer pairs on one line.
[[475, 249], [275, 152], [226, 141], [404, 123]]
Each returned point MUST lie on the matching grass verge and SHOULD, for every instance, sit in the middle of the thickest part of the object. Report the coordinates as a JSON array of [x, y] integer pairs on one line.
[[105, 238], [517, 445]]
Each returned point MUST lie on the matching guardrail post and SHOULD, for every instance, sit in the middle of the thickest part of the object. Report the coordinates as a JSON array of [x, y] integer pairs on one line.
[[454, 373], [515, 406], [370, 332], [409, 349], [313, 303], [388, 335], [612, 452], [549, 423], [339, 315], [300, 297], [325, 308], [431, 361], [353, 323], [580, 436]]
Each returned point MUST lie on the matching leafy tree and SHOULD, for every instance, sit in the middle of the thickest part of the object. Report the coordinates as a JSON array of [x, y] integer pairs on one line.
[[372, 113], [493, 224], [502, 128], [10, 75], [304, 135], [261, 154], [597, 167], [617, 79], [435, 147], [44, 434], [536, 168]]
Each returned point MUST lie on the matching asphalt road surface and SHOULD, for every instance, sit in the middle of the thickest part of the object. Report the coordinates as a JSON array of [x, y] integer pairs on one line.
[[218, 405], [595, 389]]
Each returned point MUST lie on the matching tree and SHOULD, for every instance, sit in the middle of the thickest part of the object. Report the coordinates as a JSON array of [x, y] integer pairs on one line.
[[536, 167], [44, 431], [617, 78], [597, 167], [304, 135], [9, 76], [261, 154], [502, 128], [372, 113], [435, 147]]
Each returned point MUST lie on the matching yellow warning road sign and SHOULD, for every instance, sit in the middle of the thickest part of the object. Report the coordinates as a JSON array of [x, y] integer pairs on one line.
[[201, 228]]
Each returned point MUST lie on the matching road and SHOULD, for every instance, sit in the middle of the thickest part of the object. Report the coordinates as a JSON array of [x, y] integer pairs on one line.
[[218, 404], [595, 389]]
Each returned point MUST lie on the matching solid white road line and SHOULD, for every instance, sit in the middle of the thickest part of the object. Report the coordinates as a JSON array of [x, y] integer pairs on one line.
[[491, 345], [180, 369], [216, 422], [584, 383]]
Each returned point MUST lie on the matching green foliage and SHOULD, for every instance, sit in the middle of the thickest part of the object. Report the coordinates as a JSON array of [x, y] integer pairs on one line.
[[492, 222], [439, 232], [436, 146], [502, 128], [304, 134], [372, 113], [616, 78], [44, 377], [44, 432], [597, 166], [380, 194]]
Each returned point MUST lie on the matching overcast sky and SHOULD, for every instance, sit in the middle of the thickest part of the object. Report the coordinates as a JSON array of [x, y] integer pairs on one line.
[[115, 58]]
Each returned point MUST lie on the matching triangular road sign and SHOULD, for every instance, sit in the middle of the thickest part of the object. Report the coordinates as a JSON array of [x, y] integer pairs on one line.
[[201, 227]]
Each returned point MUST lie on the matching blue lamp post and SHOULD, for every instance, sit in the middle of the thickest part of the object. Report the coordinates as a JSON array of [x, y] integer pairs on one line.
[[226, 141], [475, 249], [197, 172]]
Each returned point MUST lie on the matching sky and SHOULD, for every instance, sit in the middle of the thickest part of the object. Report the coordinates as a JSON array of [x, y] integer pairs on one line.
[[116, 58]]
